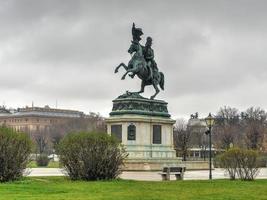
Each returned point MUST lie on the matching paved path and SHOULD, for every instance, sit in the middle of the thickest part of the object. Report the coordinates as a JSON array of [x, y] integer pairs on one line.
[[44, 172], [147, 176]]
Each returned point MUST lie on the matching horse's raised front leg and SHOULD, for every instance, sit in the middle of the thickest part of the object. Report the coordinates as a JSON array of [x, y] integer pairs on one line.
[[122, 64], [133, 70], [157, 91], [124, 75]]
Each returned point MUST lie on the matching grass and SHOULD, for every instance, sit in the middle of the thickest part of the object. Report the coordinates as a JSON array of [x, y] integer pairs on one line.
[[52, 164], [59, 188]]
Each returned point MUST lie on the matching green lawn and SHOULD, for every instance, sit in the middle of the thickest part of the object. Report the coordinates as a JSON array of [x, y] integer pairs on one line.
[[59, 188], [52, 164]]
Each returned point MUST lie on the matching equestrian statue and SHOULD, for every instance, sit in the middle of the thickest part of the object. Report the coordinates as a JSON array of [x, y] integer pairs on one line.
[[142, 63]]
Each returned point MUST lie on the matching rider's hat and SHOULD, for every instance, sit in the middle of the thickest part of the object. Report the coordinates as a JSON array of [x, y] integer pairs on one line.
[[136, 32], [149, 39]]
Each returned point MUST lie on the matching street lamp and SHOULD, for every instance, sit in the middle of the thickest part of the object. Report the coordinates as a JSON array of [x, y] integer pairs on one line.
[[210, 122]]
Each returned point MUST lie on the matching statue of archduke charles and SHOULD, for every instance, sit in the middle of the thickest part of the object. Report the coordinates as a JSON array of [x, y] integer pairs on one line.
[[142, 63]]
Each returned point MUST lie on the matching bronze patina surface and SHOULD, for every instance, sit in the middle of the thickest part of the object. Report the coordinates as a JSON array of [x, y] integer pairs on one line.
[[132, 103], [142, 63]]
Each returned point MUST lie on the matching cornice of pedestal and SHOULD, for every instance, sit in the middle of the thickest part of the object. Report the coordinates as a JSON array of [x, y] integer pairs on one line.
[[139, 118]]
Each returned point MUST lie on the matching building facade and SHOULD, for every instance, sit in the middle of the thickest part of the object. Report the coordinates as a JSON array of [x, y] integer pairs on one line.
[[30, 119]]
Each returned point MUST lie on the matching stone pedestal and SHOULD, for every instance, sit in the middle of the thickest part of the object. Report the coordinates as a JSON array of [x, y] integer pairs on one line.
[[145, 128]]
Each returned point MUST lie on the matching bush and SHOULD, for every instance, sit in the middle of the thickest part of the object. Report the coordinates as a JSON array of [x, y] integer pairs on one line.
[[229, 162], [91, 156], [42, 160], [15, 149], [240, 162]]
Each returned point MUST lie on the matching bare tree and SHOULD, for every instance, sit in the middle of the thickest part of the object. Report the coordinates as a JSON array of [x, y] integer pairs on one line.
[[227, 129], [92, 122], [232, 128], [181, 137], [42, 141], [96, 122], [254, 123]]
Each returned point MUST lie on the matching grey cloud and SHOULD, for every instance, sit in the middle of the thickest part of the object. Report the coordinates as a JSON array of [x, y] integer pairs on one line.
[[69, 49]]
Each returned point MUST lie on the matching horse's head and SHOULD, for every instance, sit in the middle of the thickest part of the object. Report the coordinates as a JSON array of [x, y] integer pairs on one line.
[[135, 47]]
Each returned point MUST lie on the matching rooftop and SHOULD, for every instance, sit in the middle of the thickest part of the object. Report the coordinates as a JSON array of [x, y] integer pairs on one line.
[[4, 111], [41, 111]]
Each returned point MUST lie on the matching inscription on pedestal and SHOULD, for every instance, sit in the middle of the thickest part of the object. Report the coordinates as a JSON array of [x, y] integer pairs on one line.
[[131, 132], [156, 134]]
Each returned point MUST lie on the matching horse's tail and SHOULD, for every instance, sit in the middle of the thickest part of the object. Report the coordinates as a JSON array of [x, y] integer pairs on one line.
[[161, 82]]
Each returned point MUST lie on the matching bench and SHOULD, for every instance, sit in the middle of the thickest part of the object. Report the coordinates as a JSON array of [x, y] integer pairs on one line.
[[168, 171]]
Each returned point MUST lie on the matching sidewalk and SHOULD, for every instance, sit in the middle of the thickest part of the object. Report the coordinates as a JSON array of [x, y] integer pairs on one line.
[[146, 176]]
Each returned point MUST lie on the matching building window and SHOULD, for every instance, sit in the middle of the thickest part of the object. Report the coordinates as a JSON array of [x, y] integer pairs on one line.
[[131, 132], [156, 134], [116, 131]]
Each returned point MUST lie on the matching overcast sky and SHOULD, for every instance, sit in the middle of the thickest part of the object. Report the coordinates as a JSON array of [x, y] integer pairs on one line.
[[213, 53]]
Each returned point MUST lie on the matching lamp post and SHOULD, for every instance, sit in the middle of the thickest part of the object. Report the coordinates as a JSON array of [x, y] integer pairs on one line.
[[210, 122]]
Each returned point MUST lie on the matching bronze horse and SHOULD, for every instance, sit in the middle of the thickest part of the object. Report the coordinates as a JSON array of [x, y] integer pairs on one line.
[[138, 66]]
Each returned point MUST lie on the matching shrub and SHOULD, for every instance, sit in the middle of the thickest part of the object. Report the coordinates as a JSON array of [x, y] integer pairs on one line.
[[248, 164], [228, 160], [240, 162], [42, 160], [91, 156], [15, 149]]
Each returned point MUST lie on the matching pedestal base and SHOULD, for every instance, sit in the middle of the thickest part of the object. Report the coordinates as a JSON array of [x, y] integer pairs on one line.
[[143, 153], [145, 128]]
